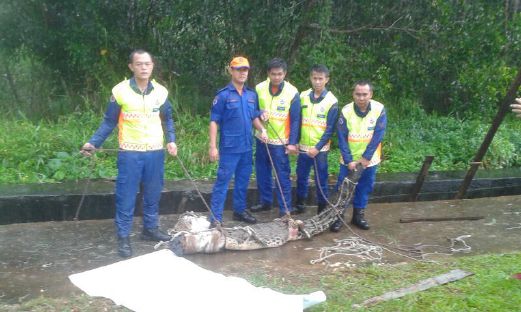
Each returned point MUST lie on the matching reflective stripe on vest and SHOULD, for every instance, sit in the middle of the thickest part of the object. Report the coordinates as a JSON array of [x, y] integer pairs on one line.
[[277, 108], [139, 122], [361, 131], [314, 120]]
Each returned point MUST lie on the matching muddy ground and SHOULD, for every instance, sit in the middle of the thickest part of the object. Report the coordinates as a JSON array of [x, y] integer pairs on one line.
[[37, 258]]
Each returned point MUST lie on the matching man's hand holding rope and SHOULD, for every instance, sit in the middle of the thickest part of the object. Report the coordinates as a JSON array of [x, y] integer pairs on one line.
[[87, 149], [313, 152], [362, 161], [291, 149], [516, 108], [172, 148]]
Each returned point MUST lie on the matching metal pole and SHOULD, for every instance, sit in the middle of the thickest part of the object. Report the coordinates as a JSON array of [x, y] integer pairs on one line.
[[421, 177], [503, 109]]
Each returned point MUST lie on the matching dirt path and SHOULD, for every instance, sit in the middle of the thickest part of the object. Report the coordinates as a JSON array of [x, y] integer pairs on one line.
[[36, 258]]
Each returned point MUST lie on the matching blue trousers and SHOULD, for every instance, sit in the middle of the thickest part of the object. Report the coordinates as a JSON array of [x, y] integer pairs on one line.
[[231, 164], [263, 170], [363, 189], [304, 164], [135, 168]]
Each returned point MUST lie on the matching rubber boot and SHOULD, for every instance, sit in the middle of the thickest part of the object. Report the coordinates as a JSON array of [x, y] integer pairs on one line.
[[299, 206], [261, 207], [124, 249], [154, 234], [338, 224], [359, 220], [321, 207]]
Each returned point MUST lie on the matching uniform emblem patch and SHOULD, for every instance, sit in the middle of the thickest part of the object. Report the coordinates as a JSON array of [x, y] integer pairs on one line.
[[112, 98], [214, 101]]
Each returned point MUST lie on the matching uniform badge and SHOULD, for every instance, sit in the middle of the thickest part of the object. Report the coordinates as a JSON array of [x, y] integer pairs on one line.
[[322, 109], [214, 101], [112, 98], [341, 121], [372, 121], [281, 102]]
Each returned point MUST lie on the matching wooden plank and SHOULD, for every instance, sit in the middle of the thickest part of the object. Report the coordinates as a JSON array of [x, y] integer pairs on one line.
[[504, 108], [427, 162], [437, 219], [452, 276]]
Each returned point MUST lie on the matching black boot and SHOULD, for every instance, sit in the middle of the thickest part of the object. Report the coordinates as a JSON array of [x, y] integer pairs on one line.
[[261, 207], [299, 206], [244, 217], [154, 234], [321, 207], [359, 220], [124, 249], [338, 224]]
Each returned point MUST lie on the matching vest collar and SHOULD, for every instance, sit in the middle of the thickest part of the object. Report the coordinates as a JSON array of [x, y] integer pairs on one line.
[[319, 99], [133, 85], [279, 90], [359, 113]]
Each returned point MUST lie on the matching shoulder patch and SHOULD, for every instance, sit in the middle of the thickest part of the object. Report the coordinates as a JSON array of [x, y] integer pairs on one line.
[[214, 101], [112, 98], [341, 121], [221, 90]]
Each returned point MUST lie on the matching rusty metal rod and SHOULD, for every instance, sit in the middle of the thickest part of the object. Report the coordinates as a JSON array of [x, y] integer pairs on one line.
[[502, 111], [434, 219], [421, 177]]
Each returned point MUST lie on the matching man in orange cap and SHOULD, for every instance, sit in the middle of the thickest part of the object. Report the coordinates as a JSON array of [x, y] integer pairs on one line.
[[234, 111]]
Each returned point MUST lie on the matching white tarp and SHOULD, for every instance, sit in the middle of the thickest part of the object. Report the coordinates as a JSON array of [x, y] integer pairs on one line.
[[161, 281]]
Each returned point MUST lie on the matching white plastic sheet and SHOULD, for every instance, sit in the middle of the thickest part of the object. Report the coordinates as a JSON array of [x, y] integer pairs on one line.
[[161, 281]]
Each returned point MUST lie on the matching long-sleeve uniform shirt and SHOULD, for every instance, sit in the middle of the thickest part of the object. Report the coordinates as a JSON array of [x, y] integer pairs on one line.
[[234, 113], [378, 134], [332, 117], [113, 112]]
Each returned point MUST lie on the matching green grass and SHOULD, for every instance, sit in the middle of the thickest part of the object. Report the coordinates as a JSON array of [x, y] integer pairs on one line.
[[491, 288], [47, 151]]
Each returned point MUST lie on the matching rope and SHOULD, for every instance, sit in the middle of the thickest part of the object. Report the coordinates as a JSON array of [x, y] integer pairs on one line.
[[92, 164], [218, 227], [341, 218], [352, 246], [286, 210], [198, 192]]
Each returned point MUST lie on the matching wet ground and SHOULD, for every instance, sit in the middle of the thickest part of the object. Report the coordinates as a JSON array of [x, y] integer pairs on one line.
[[37, 258]]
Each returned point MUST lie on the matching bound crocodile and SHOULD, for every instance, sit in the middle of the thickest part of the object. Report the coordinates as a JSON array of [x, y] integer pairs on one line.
[[187, 239]]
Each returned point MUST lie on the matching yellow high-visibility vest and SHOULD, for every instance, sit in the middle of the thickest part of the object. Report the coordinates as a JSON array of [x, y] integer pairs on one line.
[[277, 107], [361, 131], [139, 122], [314, 120]]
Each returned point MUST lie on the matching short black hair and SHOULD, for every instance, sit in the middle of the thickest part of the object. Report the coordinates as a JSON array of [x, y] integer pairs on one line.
[[319, 68], [138, 51], [364, 83], [277, 63]]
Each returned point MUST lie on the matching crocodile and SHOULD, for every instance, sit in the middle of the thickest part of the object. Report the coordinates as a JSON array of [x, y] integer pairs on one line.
[[191, 233]]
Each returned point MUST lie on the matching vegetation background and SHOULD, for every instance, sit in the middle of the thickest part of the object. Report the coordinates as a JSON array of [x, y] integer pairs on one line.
[[440, 66]]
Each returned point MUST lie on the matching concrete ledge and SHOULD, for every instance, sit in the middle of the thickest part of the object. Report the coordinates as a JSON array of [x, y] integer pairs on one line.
[[59, 202]]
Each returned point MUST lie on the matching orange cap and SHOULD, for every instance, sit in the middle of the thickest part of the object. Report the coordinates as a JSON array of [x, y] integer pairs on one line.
[[239, 62]]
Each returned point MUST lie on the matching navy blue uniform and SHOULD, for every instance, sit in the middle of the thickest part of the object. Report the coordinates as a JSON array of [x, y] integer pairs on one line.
[[234, 113]]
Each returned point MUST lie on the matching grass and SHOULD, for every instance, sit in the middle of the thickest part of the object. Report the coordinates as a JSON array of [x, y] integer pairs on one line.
[[44, 151], [491, 288]]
